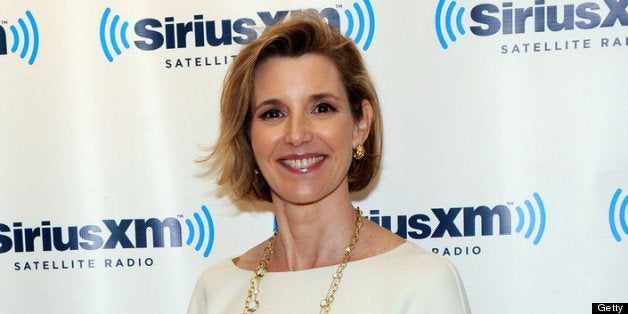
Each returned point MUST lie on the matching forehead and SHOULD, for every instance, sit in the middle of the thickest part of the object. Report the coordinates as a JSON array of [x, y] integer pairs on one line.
[[284, 76]]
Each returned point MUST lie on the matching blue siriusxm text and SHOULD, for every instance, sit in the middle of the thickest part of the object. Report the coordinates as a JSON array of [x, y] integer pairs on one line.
[[509, 19], [199, 32], [442, 221], [126, 234]]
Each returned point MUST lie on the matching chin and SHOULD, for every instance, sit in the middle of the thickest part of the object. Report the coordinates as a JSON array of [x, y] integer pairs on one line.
[[299, 197]]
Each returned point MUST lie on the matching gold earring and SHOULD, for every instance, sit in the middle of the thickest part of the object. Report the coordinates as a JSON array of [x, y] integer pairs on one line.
[[359, 152]]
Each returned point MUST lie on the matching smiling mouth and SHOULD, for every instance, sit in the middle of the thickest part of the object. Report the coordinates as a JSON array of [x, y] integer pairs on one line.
[[302, 163]]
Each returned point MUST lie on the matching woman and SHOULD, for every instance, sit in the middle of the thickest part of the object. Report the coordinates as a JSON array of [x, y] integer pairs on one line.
[[301, 128]]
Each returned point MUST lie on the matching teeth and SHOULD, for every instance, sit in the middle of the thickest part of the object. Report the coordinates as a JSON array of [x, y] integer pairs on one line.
[[302, 163]]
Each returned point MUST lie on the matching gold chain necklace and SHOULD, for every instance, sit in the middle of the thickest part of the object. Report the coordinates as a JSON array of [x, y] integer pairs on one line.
[[252, 298]]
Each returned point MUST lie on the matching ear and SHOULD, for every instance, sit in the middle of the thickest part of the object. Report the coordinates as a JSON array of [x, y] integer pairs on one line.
[[363, 124]]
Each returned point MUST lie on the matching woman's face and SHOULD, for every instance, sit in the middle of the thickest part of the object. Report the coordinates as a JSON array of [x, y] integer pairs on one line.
[[302, 131]]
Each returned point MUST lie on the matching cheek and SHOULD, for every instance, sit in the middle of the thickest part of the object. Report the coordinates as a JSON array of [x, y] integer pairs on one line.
[[262, 141], [256, 144], [342, 134]]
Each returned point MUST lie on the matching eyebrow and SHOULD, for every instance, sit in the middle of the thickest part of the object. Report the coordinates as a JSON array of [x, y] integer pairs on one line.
[[276, 101], [268, 102], [323, 96]]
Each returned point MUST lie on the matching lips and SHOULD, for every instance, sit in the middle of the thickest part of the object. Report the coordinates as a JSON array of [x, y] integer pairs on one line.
[[301, 162]]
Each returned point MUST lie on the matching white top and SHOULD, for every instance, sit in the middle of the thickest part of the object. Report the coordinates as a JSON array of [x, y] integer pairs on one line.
[[406, 279]]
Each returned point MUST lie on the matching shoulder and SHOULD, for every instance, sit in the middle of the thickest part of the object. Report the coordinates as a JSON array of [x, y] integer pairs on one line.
[[410, 256], [425, 264], [223, 268], [205, 285], [420, 279], [382, 247], [210, 286], [433, 277]]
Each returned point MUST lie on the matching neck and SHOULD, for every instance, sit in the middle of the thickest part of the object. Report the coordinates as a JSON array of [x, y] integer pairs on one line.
[[312, 235]]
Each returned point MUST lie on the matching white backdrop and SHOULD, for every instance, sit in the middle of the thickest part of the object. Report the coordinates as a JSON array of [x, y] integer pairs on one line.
[[92, 148]]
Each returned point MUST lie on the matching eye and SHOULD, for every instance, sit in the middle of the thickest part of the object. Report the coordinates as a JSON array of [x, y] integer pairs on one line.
[[324, 107], [272, 113]]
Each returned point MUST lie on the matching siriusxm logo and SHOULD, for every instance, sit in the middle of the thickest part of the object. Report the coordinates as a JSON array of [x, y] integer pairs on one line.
[[208, 224], [111, 234], [169, 33], [507, 19], [498, 219], [25, 39], [617, 212], [361, 24]]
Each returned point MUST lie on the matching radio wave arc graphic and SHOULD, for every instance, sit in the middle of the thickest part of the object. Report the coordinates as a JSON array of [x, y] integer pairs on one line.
[[111, 32], [448, 18], [26, 38], [532, 219], [621, 216], [205, 228], [361, 24]]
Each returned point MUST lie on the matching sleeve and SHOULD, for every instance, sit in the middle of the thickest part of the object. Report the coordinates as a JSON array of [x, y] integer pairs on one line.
[[445, 291], [198, 301], [429, 284]]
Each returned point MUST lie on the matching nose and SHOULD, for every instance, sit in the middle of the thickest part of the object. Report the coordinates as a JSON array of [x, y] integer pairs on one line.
[[298, 130]]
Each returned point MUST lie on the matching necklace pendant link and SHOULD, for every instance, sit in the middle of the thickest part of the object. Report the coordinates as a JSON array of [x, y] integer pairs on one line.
[[252, 306], [261, 272], [324, 303]]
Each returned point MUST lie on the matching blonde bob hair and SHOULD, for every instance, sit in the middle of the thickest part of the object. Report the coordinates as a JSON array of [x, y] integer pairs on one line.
[[305, 33]]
